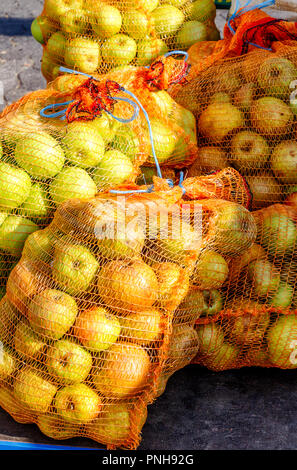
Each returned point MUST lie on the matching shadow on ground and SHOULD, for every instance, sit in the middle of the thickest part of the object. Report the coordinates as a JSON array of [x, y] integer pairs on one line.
[[15, 26]]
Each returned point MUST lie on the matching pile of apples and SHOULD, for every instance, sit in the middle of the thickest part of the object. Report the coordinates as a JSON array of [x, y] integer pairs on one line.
[[91, 35]]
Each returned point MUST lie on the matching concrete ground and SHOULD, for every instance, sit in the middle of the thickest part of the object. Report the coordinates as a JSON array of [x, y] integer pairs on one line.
[[245, 409]]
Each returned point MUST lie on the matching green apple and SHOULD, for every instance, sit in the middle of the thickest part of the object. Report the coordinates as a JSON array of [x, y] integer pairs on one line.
[[120, 49], [106, 21], [264, 277], [72, 183], [74, 22], [167, 19], [68, 362], [147, 5], [97, 329], [115, 168], [105, 125], [84, 147], [225, 358], [275, 76], [14, 232], [126, 141], [278, 233], [33, 390], [47, 65], [55, 427], [284, 161], [249, 327], [83, 54], [190, 33], [37, 205], [283, 297], [211, 270], [78, 404], [249, 151], [211, 338], [7, 363], [135, 23], [26, 342], [213, 125], [74, 268], [164, 138], [112, 426], [149, 49], [15, 186], [40, 155], [42, 28], [202, 10], [39, 246], [282, 340], [51, 313], [9, 317], [36, 31], [213, 302], [57, 8], [244, 96], [56, 46], [183, 346], [271, 116]]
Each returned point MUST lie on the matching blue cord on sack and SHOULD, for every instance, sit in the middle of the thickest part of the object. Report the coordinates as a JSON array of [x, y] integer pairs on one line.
[[245, 9]]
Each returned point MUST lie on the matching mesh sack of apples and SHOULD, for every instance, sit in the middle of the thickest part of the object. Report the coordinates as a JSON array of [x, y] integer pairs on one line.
[[91, 35], [95, 319]]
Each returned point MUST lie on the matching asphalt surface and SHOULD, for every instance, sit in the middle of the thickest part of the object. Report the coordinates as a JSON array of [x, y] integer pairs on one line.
[[244, 409]]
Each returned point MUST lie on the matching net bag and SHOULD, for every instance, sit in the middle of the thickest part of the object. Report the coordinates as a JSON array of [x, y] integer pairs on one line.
[[94, 320], [95, 36], [80, 136]]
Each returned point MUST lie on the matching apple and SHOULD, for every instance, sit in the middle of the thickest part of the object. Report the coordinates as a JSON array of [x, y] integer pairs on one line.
[[51, 313], [213, 302], [264, 276], [9, 317], [74, 268], [167, 19], [57, 8], [264, 189], [162, 383], [176, 113], [125, 371], [113, 426], [14, 232], [78, 404], [83, 54], [183, 347], [284, 161], [42, 28], [164, 138], [209, 159], [7, 363], [271, 116], [37, 205], [149, 49], [126, 141], [120, 49], [106, 21], [128, 285], [39, 246], [114, 169], [213, 34], [281, 339], [47, 66], [147, 5], [202, 10], [40, 155], [173, 284], [56, 46], [211, 270], [72, 183], [83, 145], [36, 31], [220, 97], [190, 33], [283, 297], [33, 390], [105, 125], [224, 358], [278, 233], [26, 342], [15, 186], [74, 22], [275, 76], [97, 329], [68, 362], [249, 151], [221, 79], [55, 427], [211, 338], [143, 327], [251, 325], [218, 120], [135, 23], [244, 96]]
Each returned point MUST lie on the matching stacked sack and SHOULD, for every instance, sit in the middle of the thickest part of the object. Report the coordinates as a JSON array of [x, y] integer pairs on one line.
[[97, 317], [244, 99], [94, 35]]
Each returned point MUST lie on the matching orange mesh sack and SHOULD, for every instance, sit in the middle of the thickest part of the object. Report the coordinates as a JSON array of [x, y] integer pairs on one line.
[[94, 321], [94, 35]]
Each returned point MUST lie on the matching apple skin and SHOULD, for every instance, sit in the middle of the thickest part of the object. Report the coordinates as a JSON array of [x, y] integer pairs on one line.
[[113, 426], [126, 141], [78, 404], [244, 96], [147, 5], [280, 338], [97, 329], [264, 277], [165, 140], [173, 284], [249, 151], [57, 8], [83, 54], [149, 49], [125, 371], [271, 116], [68, 362], [118, 50], [9, 318], [39, 246], [83, 146], [209, 159], [167, 19], [74, 268], [265, 189], [250, 327], [14, 232], [114, 169], [55, 427], [72, 183], [37, 205], [105, 125], [211, 270], [183, 347], [128, 286], [190, 33], [42, 28], [51, 313], [225, 358], [275, 76], [56, 46], [211, 338], [33, 390], [202, 10], [135, 24], [284, 161], [26, 342], [278, 233], [15, 186], [283, 296], [106, 21], [36, 31], [40, 155], [74, 23], [7, 363], [143, 327], [213, 123]]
